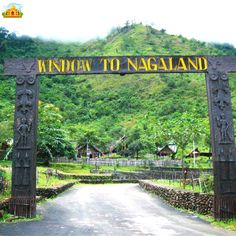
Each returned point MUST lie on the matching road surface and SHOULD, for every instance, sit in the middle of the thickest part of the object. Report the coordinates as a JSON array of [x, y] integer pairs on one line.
[[116, 209]]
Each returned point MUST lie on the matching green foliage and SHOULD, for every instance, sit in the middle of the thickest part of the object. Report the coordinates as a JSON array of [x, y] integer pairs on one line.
[[52, 138], [208, 183], [6, 173], [53, 181], [201, 162], [182, 128]]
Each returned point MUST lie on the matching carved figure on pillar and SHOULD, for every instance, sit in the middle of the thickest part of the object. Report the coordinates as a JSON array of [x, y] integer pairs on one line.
[[25, 97], [23, 130]]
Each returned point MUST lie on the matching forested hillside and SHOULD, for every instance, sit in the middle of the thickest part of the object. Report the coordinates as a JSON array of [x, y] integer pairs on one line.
[[150, 110]]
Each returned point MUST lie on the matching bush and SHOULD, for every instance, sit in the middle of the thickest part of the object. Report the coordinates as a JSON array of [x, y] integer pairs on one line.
[[207, 183]]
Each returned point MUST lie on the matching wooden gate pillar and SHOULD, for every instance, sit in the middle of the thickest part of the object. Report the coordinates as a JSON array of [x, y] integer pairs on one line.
[[23, 202], [222, 139]]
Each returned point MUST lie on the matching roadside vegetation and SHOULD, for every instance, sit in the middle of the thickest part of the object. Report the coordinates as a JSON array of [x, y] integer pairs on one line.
[[203, 184], [229, 224]]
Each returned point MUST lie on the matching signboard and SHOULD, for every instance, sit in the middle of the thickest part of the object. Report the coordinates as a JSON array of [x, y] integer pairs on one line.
[[149, 64], [109, 65]]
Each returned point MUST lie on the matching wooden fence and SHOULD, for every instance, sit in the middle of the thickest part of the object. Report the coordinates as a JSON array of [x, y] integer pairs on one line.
[[117, 162]]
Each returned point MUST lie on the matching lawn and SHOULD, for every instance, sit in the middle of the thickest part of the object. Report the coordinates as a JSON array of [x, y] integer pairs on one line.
[[84, 169], [178, 184], [42, 180]]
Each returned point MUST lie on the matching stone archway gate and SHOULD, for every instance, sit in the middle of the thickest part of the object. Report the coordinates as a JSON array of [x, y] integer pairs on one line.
[[216, 69]]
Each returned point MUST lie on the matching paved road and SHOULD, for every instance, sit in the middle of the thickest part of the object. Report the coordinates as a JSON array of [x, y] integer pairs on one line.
[[121, 210]]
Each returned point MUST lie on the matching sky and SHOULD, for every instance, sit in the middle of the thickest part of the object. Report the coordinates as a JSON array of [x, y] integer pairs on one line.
[[82, 20]]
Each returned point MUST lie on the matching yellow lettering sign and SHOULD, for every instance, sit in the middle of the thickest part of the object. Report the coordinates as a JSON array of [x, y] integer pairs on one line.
[[181, 64], [105, 64], [152, 63], [192, 64], [162, 65], [202, 63], [42, 66], [132, 64]]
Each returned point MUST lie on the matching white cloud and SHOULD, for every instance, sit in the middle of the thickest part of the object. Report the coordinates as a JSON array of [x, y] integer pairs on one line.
[[79, 20]]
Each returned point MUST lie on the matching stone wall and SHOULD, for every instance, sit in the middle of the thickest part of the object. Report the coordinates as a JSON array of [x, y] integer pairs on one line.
[[50, 192], [99, 179], [199, 202]]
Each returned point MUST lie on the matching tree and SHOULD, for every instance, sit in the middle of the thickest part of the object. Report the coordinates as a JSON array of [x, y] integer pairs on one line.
[[52, 140], [134, 148], [6, 122], [181, 129]]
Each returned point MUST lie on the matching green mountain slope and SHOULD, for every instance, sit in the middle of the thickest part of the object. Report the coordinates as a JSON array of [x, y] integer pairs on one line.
[[102, 108]]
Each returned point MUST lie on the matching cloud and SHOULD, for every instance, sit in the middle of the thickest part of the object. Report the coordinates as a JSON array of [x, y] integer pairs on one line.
[[79, 20]]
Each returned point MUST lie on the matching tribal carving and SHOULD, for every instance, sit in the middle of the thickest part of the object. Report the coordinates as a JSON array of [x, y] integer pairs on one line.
[[29, 79], [28, 66], [23, 129], [223, 125], [221, 99], [22, 161], [218, 75], [25, 97]]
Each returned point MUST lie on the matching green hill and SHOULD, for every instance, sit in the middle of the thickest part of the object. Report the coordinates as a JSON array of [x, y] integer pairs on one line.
[[103, 108]]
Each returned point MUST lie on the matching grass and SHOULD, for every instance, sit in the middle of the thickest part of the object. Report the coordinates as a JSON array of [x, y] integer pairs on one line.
[[229, 224], [42, 181], [52, 181], [8, 218], [84, 169], [71, 168], [175, 184], [178, 184]]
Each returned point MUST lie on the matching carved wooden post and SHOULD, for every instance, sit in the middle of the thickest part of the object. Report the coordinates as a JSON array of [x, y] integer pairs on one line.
[[222, 139], [23, 202]]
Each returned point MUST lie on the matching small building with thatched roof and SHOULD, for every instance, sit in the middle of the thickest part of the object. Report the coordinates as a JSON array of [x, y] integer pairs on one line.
[[167, 150], [197, 153], [88, 150]]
